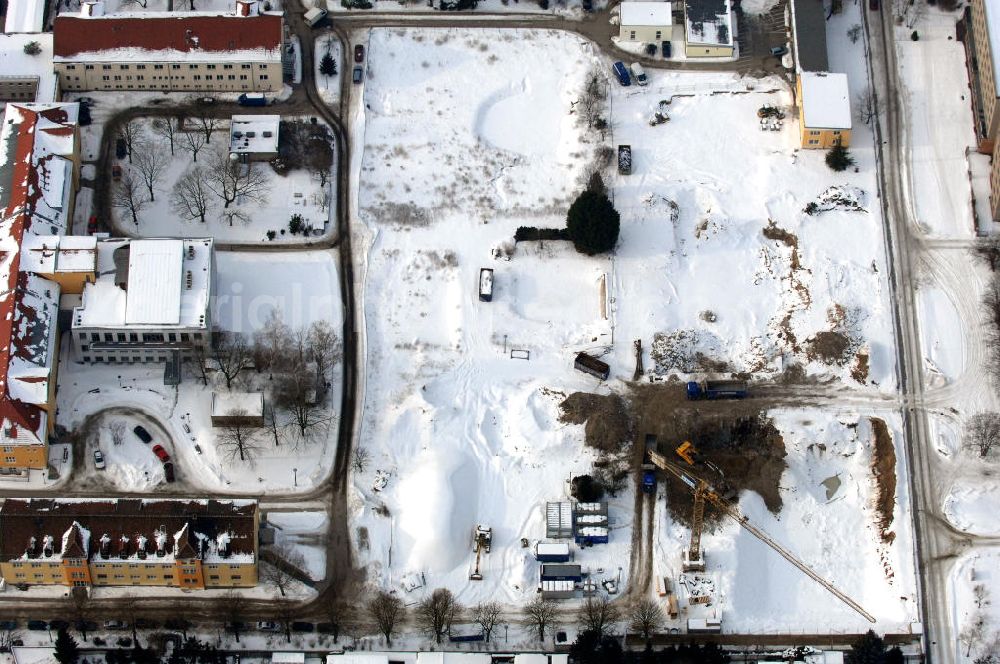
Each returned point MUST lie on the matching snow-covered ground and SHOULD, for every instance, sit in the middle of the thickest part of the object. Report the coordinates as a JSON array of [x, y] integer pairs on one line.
[[299, 192], [303, 287], [974, 586], [304, 533], [329, 86], [462, 433]]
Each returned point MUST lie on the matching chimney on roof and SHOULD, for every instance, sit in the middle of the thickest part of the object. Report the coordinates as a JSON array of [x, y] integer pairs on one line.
[[47, 546], [247, 8], [92, 8], [105, 546], [30, 551]]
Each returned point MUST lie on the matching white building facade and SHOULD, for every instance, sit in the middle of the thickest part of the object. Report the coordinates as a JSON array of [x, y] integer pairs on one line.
[[151, 302]]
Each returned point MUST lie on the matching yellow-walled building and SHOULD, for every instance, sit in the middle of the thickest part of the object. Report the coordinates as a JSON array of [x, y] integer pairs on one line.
[[194, 544], [824, 104]]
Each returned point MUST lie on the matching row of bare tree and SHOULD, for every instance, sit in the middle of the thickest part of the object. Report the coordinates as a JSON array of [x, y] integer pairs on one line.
[[437, 612], [197, 192]]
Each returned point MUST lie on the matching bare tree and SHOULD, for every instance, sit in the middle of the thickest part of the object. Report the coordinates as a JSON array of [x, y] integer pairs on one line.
[[982, 432], [231, 607], [8, 637], [866, 104], [151, 163], [132, 133], [231, 181], [361, 457], [645, 617], [128, 195], [981, 594], [854, 33], [166, 128], [973, 632], [79, 603], [323, 347], [337, 615], [597, 614], [487, 616], [238, 438], [541, 612], [234, 214], [296, 395], [988, 250], [206, 126], [273, 424], [592, 98], [271, 341], [436, 612], [232, 353], [387, 611], [191, 197], [280, 572], [117, 429], [191, 142]]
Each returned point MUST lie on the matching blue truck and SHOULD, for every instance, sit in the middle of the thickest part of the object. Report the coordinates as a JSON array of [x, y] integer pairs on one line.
[[252, 99], [648, 469], [717, 389], [621, 71]]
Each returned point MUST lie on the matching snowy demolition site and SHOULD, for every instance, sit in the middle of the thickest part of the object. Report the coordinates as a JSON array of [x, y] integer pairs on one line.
[[477, 427]]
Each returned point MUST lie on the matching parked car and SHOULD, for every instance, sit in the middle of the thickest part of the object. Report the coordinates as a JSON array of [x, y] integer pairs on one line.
[[114, 624], [58, 624], [142, 434], [206, 101], [146, 623], [121, 148], [197, 448], [85, 626], [116, 172], [666, 49], [161, 453], [358, 75], [37, 625], [124, 642], [99, 460], [299, 626], [359, 53], [621, 73], [168, 472], [8, 625], [92, 224], [268, 626], [639, 73], [778, 51], [86, 100]]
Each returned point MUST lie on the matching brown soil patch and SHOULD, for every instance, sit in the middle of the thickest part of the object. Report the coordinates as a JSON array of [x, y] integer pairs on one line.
[[772, 232], [830, 347], [859, 371], [607, 423], [884, 471], [733, 435]]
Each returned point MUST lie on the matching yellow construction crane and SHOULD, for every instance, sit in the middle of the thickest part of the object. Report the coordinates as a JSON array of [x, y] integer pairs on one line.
[[703, 491]]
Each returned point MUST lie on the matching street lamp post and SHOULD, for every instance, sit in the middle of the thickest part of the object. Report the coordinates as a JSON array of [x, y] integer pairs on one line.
[[295, 475]]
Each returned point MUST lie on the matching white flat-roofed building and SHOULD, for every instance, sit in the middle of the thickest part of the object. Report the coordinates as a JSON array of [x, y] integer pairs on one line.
[[242, 407], [825, 109], [25, 16], [645, 21], [150, 300], [254, 136], [709, 30]]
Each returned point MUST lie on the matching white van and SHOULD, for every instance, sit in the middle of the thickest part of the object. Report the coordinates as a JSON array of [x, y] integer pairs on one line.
[[638, 73]]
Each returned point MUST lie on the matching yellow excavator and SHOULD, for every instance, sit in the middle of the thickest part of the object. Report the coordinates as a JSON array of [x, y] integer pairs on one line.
[[704, 491], [481, 541]]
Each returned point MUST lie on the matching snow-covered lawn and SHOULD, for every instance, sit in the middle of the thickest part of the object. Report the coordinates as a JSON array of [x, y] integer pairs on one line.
[[303, 287], [298, 192], [974, 600], [329, 86], [462, 434], [304, 533]]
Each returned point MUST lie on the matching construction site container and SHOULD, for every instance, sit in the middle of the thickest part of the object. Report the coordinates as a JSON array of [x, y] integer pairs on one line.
[[591, 535], [558, 589], [558, 520], [591, 365], [552, 552], [556, 572]]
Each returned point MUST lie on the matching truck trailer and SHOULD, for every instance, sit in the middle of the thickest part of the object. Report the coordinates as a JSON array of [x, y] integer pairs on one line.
[[717, 389], [314, 16]]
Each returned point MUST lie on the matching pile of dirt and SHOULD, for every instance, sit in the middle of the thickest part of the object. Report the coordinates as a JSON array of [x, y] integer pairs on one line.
[[608, 426], [830, 347], [772, 232], [884, 471]]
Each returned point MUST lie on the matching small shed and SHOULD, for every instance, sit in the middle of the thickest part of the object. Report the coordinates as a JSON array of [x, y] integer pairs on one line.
[[645, 21], [591, 365], [552, 552], [229, 408], [254, 137], [558, 589], [558, 520]]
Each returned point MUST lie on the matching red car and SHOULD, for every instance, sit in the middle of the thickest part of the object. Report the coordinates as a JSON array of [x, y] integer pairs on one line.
[[161, 453], [92, 225], [359, 53]]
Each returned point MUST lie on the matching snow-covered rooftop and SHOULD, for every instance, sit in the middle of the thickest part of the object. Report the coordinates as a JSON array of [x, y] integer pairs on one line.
[[14, 62], [24, 16], [708, 22], [49, 254], [826, 103], [254, 133], [167, 284], [646, 13], [226, 403]]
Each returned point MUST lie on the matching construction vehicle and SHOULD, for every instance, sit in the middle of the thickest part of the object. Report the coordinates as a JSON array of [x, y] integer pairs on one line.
[[481, 541], [688, 452], [704, 491], [717, 389]]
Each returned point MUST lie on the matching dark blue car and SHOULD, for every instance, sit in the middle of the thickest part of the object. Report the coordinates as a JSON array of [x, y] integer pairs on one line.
[[621, 71]]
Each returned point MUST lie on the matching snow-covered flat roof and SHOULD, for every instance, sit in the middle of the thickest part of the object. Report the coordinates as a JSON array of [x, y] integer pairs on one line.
[[24, 16], [168, 284], [708, 22], [254, 133], [14, 62], [226, 403], [826, 103], [49, 254], [646, 13]]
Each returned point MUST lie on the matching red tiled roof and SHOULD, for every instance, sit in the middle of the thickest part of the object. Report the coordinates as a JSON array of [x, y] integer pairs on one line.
[[76, 34]]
